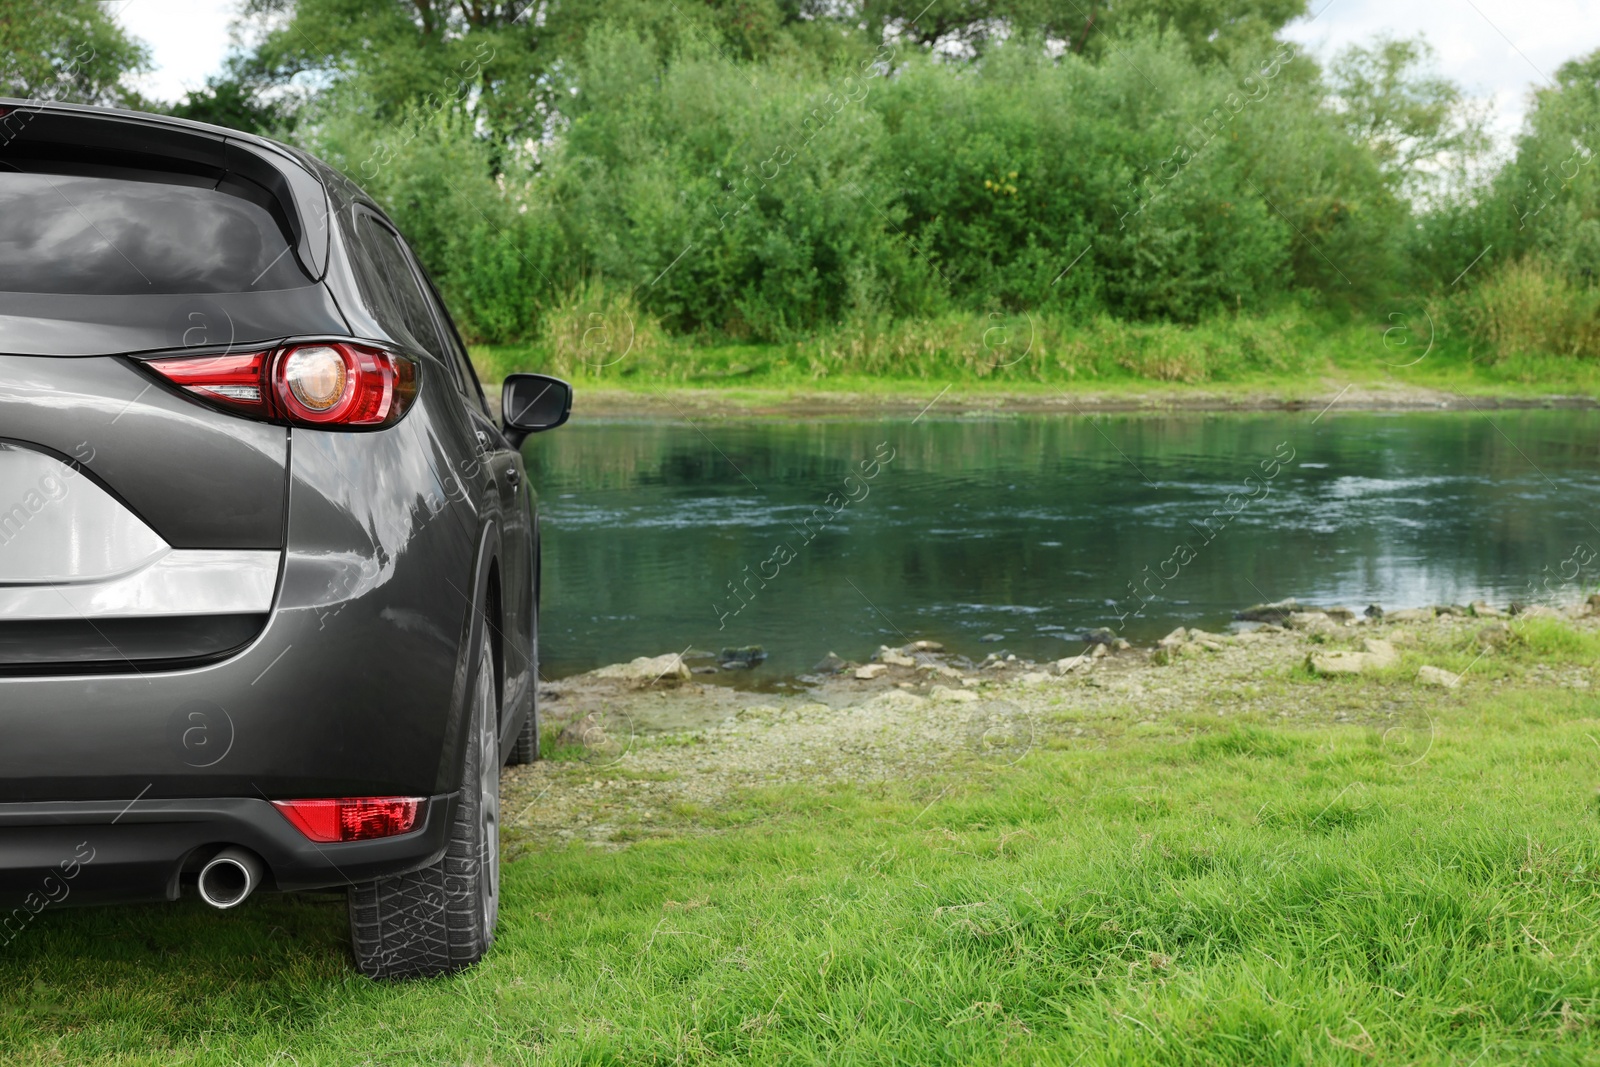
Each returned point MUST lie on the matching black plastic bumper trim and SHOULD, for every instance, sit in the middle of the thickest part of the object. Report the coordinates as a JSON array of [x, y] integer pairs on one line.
[[117, 852], [83, 646]]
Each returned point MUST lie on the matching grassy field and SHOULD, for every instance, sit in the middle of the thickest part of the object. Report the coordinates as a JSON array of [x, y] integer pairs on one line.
[[1199, 890], [1288, 355]]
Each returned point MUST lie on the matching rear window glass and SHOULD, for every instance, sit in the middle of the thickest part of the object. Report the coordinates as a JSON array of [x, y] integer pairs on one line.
[[103, 236]]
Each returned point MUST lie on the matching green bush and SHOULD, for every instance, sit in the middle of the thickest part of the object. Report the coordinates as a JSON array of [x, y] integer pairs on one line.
[[716, 193], [1530, 307], [767, 202], [1009, 171], [1542, 208]]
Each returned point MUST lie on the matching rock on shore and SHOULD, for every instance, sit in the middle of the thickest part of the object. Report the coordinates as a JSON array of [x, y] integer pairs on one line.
[[646, 671]]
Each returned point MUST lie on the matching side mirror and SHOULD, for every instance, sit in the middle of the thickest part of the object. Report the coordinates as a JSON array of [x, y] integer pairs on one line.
[[533, 403]]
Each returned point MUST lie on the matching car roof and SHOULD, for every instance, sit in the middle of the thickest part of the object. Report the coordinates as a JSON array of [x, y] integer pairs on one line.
[[152, 119]]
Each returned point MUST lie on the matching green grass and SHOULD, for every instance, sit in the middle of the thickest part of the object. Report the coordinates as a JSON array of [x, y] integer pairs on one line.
[[1227, 892], [1288, 355]]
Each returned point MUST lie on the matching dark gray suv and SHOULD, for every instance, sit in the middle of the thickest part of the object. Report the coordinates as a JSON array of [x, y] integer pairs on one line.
[[269, 562]]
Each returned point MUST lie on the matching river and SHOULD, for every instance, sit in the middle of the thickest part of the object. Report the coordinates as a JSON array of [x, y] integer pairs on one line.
[[842, 534]]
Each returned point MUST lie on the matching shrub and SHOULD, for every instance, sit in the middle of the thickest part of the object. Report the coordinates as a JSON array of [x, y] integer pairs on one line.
[[1528, 307], [911, 210], [593, 329]]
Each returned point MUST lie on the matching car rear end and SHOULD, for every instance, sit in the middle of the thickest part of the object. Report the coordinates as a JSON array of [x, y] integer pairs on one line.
[[216, 611]]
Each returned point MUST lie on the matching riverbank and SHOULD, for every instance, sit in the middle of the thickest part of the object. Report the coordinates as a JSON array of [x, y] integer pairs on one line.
[[641, 747], [1211, 855], [1284, 360], [911, 400]]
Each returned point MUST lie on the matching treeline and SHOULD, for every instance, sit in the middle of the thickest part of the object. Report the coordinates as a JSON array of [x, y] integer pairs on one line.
[[768, 169], [754, 201]]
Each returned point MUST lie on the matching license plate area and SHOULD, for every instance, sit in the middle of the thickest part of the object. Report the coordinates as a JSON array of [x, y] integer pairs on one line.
[[59, 526]]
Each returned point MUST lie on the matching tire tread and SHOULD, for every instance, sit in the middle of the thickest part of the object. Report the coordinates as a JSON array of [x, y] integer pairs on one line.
[[426, 922], [526, 747]]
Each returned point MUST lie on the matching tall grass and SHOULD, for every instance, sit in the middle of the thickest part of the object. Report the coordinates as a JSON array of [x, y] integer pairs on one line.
[[1529, 307], [588, 337], [1044, 347], [595, 329]]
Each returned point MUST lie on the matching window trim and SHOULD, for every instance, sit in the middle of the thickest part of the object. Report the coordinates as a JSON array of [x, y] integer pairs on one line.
[[367, 211], [450, 333], [459, 367]]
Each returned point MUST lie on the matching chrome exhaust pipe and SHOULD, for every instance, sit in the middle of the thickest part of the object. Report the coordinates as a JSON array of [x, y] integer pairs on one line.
[[230, 877]]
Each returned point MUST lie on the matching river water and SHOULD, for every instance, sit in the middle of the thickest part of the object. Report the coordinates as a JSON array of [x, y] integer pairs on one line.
[[840, 535]]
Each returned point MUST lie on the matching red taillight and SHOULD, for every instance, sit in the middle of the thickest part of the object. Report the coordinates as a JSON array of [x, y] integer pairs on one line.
[[234, 381], [325, 384], [352, 818]]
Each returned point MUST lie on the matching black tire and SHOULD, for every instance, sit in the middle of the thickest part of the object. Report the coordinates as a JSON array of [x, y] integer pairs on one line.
[[442, 918], [526, 747]]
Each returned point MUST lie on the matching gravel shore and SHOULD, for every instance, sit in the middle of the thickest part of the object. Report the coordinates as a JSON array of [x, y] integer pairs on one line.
[[648, 750]]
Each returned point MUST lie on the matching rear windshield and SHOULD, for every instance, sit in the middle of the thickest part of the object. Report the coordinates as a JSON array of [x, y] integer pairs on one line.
[[140, 233]]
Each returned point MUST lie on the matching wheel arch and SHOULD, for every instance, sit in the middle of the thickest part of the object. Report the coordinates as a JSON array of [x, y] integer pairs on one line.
[[485, 594]]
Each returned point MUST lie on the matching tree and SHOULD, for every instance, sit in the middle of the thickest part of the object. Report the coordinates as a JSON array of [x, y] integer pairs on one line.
[[1416, 124], [68, 50], [1549, 195], [231, 102], [506, 65], [1212, 29]]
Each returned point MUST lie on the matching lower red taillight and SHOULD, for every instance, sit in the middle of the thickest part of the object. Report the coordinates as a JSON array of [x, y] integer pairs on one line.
[[326, 384], [352, 818]]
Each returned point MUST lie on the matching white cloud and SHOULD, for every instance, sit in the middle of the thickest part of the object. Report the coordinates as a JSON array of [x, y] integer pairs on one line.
[[188, 38]]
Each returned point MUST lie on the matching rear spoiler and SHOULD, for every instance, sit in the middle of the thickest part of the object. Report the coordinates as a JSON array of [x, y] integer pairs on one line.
[[103, 142]]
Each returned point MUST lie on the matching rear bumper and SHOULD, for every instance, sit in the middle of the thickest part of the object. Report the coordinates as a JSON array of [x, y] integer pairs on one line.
[[83, 852]]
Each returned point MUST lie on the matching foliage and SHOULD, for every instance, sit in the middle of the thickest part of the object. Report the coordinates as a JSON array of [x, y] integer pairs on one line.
[[66, 50], [1010, 171], [1529, 306], [763, 171], [769, 201], [1415, 123], [506, 65], [1210, 29], [742, 200], [1190, 175], [234, 104], [1545, 200], [493, 262], [1552, 189], [409, 49], [1519, 257]]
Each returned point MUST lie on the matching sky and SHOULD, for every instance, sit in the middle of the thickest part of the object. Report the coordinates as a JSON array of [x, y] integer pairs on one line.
[[1499, 50], [189, 39], [1496, 50]]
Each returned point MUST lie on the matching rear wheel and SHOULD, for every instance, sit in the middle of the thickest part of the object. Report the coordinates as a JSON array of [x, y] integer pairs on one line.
[[526, 747], [442, 918]]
